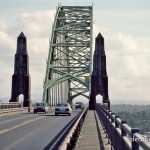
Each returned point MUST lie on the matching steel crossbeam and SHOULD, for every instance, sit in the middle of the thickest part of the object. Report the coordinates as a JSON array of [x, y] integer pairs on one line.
[[70, 55]]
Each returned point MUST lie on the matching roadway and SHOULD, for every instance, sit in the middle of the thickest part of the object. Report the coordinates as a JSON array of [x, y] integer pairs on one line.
[[31, 131]]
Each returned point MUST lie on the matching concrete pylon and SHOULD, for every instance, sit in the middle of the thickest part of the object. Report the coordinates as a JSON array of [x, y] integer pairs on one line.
[[99, 78], [21, 81]]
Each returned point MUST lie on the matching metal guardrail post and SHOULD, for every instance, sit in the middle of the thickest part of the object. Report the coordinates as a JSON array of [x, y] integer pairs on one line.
[[123, 133], [116, 134], [112, 129], [141, 142], [107, 127], [109, 121], [135, 145]]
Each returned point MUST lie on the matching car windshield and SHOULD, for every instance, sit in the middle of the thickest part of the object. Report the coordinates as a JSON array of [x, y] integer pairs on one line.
[[62, 105], [79, 103], [40, 104]]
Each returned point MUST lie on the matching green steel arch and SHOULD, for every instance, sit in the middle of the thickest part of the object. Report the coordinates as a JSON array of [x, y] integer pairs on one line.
[[70, 55]]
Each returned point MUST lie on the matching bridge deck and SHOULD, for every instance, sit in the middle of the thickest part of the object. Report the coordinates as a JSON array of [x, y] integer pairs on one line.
[[92, 136]]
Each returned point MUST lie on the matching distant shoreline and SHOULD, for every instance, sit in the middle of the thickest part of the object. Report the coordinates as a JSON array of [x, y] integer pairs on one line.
[[130, 102]]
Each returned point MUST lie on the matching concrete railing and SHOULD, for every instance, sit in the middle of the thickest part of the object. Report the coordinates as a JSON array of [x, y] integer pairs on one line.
[[4, 112], [71, 138], [7, 105], [121, 135]]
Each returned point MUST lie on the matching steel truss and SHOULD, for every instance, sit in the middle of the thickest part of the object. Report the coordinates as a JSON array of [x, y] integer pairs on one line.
[[70, 55]]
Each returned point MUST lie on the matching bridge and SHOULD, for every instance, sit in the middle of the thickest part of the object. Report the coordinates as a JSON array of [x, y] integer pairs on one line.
[[72, 70], [70, 59]]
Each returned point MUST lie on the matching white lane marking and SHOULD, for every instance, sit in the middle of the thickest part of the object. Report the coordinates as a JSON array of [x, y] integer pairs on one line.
[[5, 121], [13, 119], [21, 124]]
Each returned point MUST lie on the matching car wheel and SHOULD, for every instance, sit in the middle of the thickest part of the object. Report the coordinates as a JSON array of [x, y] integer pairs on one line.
[[69, 114], [56, 114]]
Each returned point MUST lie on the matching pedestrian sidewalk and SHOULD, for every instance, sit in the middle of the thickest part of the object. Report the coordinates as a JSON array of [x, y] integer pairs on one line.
[[92, 136]]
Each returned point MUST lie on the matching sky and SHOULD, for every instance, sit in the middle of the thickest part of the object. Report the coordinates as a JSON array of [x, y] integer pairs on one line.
[[125, 26]]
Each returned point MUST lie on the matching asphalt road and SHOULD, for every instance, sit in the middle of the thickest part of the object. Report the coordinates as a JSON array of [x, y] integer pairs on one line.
[[30, 131]]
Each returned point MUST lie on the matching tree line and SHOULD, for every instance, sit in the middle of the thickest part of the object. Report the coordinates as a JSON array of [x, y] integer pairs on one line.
[[137, 116]]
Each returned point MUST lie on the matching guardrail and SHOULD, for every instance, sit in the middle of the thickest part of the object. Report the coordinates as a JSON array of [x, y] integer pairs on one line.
[[67, 137], [121, 136], [4, 112], [70, 141], [7, 105]]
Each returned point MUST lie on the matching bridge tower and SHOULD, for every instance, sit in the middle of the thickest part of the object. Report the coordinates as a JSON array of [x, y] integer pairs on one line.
[[99, 78], [70, 55], [21, 76]]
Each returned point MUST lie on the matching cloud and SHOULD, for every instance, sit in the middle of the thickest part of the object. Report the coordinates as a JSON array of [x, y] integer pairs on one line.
[[37, 28], [128, 63]]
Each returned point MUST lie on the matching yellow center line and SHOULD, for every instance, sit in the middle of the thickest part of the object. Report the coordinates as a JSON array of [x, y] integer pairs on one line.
[[21, 124]]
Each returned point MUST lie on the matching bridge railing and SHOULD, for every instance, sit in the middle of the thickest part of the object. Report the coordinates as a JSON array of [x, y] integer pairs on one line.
[[71, 138], [7, 105], [11, 108], [120, 134]]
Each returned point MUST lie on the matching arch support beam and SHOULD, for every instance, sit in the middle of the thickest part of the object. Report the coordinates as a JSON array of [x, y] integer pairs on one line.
[[70, 54]]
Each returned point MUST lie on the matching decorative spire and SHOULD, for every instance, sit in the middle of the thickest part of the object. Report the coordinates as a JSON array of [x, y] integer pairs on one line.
[[21, 35]]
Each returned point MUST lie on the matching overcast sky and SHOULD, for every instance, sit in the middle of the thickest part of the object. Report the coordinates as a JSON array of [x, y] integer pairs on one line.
[[125, 26]]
